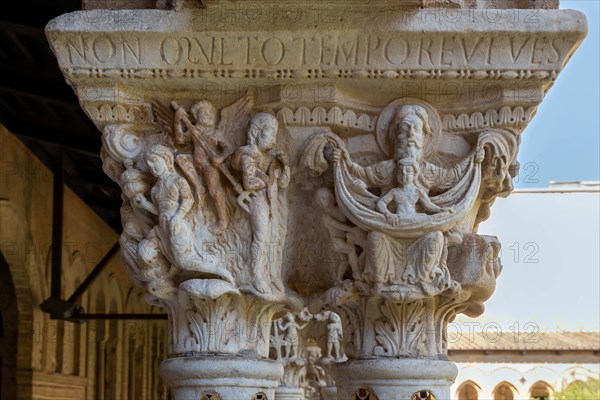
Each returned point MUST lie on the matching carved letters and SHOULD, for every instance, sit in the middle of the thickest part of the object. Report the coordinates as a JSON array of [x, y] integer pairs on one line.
[[328, 50]]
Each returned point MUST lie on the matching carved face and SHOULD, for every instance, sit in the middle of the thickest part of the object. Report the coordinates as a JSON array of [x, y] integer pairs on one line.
[[157, 165], [266, 140], [263, 131], [406, 174], [324, 198], [411, 132], [205, 117], [501, 174]]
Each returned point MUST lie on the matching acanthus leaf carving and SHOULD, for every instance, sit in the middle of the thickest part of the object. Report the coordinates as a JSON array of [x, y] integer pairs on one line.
[[401, 329]]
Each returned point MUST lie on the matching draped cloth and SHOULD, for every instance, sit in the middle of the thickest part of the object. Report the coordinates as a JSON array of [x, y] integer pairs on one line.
[[410, 255], [359, 205]]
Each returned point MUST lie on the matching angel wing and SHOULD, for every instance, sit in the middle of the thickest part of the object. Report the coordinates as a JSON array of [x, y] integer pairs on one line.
[[234, 120], [164, 116]]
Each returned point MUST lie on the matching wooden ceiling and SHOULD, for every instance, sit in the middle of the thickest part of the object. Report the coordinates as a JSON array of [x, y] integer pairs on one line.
[[41, 109]]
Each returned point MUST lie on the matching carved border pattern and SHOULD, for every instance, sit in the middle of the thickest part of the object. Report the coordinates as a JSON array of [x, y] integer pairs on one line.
[[505, 117], [106, 112], [319, 116], [335, 116], [186, 73]]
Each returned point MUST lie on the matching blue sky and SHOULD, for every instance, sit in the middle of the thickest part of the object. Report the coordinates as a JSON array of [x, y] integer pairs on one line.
[[562, 142], [550, 256]]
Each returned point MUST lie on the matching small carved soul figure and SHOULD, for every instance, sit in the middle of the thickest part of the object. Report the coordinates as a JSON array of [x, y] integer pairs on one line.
[[406, 197], [334, 336], [290, 337]]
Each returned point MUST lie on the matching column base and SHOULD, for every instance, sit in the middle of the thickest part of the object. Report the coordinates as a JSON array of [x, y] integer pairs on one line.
[[229, 377], [391, 379], [289, 393]]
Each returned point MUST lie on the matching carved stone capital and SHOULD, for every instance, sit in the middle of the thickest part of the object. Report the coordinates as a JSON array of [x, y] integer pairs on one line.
[[271, 165]]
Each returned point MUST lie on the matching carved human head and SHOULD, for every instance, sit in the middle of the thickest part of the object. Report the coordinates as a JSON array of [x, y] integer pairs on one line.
[[324, 197], [263, 131], [407, 171], [160, 160], [205, 114], [411, 126]]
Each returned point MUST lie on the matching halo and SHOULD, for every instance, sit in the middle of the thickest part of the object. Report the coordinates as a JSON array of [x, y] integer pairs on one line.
[[386, 144]]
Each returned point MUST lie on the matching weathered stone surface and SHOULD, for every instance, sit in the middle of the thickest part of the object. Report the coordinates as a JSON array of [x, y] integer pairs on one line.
[[291, 159]]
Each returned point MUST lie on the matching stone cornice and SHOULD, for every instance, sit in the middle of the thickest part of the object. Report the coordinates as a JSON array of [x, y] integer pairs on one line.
[[121, 44]]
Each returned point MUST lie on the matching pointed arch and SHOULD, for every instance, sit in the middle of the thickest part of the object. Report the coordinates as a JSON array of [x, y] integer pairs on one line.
[[541, 390], [468, 390], [505, 391]]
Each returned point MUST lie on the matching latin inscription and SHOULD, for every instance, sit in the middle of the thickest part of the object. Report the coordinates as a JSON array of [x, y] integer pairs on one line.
[[325, 50]]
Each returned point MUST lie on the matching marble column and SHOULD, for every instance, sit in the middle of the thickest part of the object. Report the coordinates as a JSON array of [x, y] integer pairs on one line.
[[280, 156]]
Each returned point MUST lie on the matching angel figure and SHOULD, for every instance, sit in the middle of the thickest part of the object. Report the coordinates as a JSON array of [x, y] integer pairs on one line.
[[344, 237], [210, 149], [264, 171]]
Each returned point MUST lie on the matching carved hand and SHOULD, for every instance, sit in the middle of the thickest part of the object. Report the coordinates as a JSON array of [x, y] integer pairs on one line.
[[393, 219], [180, 113], [163, 219], [479, 155], [336, 155], [140, 201], [281, 157]]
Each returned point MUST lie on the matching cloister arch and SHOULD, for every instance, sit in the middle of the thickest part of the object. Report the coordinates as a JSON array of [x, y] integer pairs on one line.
[[505, 391], [468, 390], [541, 390]]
